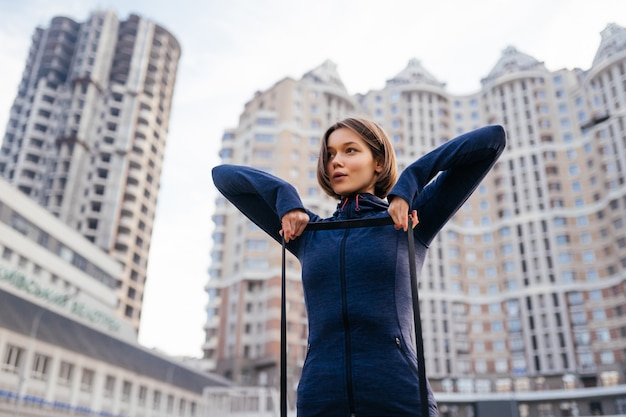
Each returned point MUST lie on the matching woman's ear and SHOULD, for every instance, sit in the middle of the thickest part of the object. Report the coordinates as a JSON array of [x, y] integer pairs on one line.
[[379, 166]]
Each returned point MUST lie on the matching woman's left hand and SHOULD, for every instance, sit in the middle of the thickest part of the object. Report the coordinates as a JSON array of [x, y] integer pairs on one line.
[[399, 212]]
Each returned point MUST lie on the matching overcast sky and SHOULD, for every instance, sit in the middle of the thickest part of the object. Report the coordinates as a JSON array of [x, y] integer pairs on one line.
[[233, 48]]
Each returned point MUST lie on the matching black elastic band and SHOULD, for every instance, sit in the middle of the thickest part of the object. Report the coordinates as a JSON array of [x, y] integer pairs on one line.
[[419, 339], [283, 339], [350, 224]]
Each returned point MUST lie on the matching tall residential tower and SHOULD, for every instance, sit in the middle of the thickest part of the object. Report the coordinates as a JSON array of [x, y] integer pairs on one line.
[[87, 133], [523, 291]]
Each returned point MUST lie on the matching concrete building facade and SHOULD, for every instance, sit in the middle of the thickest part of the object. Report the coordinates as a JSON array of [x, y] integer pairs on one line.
[[63, 348], [87, 134], [523, 291]]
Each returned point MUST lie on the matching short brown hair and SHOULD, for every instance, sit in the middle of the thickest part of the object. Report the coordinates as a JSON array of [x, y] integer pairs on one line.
[[378, 142]]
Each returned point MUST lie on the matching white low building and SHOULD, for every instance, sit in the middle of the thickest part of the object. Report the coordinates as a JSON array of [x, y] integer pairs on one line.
[[63, 348]]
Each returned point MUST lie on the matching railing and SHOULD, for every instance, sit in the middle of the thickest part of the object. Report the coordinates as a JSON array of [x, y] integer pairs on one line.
[[242, 402]]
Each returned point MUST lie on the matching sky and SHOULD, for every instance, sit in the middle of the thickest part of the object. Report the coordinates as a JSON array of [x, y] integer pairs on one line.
[[231, 49]]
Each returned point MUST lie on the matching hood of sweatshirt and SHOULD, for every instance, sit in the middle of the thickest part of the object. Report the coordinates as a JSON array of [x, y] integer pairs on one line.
[[359, 205]]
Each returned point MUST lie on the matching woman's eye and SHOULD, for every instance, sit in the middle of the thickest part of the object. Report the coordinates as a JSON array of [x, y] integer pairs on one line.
[[350, 150]]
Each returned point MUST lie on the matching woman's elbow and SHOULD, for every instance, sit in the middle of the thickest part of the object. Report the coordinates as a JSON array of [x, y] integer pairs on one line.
[[220, 174], [497, 137]]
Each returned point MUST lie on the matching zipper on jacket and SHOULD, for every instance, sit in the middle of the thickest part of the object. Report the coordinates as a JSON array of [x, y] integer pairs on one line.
[[346, 320], [405, 353]]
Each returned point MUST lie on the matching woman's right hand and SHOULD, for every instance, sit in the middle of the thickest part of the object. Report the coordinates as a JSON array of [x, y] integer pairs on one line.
[[399, 212], [293, 224]]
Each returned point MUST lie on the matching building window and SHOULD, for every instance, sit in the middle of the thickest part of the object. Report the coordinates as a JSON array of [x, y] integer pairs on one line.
[[567, 276], [481, 366], [92, 224], [109, 386], [501, 366], [126, 389], [66, 372], [589, 257], [156, 400], [143, 394], [599, 315], [256, 244], [579, 318], [592, 275], [603, 335], [565, 258], [465, 385], [86, 380], [41, 366], [263, 154], [7, 254], [12, 359], [257, 264], [516, 344], [607, 357]]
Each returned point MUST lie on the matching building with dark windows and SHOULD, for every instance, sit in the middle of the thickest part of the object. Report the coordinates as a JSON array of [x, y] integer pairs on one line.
[[523, 293], [87, 132]]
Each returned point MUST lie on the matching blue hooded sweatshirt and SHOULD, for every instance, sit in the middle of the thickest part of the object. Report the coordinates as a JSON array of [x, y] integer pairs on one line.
[[361, 359]]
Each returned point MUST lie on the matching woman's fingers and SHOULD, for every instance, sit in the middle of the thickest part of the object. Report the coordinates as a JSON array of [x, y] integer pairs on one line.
[[401, 222], [293, 224], [399, 212], [414, 219]]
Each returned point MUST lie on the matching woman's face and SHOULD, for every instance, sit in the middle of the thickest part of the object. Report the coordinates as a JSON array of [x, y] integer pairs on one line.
[[351, 166]]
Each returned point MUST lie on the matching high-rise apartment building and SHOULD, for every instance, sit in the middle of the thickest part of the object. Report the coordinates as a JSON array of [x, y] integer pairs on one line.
[[523, 291], [87, 133], [279, 132]]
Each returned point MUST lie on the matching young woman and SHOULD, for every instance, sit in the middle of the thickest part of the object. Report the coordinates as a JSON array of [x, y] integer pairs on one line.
[[361, 358]]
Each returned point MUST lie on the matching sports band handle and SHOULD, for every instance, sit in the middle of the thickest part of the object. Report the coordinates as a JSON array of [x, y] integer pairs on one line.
[[350, 223]]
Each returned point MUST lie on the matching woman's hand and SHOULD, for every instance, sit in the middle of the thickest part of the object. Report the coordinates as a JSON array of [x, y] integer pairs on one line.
[[293, 224], [399, 212]]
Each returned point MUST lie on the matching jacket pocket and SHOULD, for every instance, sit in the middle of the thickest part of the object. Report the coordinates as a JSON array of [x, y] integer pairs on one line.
[[306, 357], [406, 355]]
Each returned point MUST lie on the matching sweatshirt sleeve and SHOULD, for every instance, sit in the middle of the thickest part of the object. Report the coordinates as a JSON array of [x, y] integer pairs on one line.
[[437, 184], [260, 196]]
